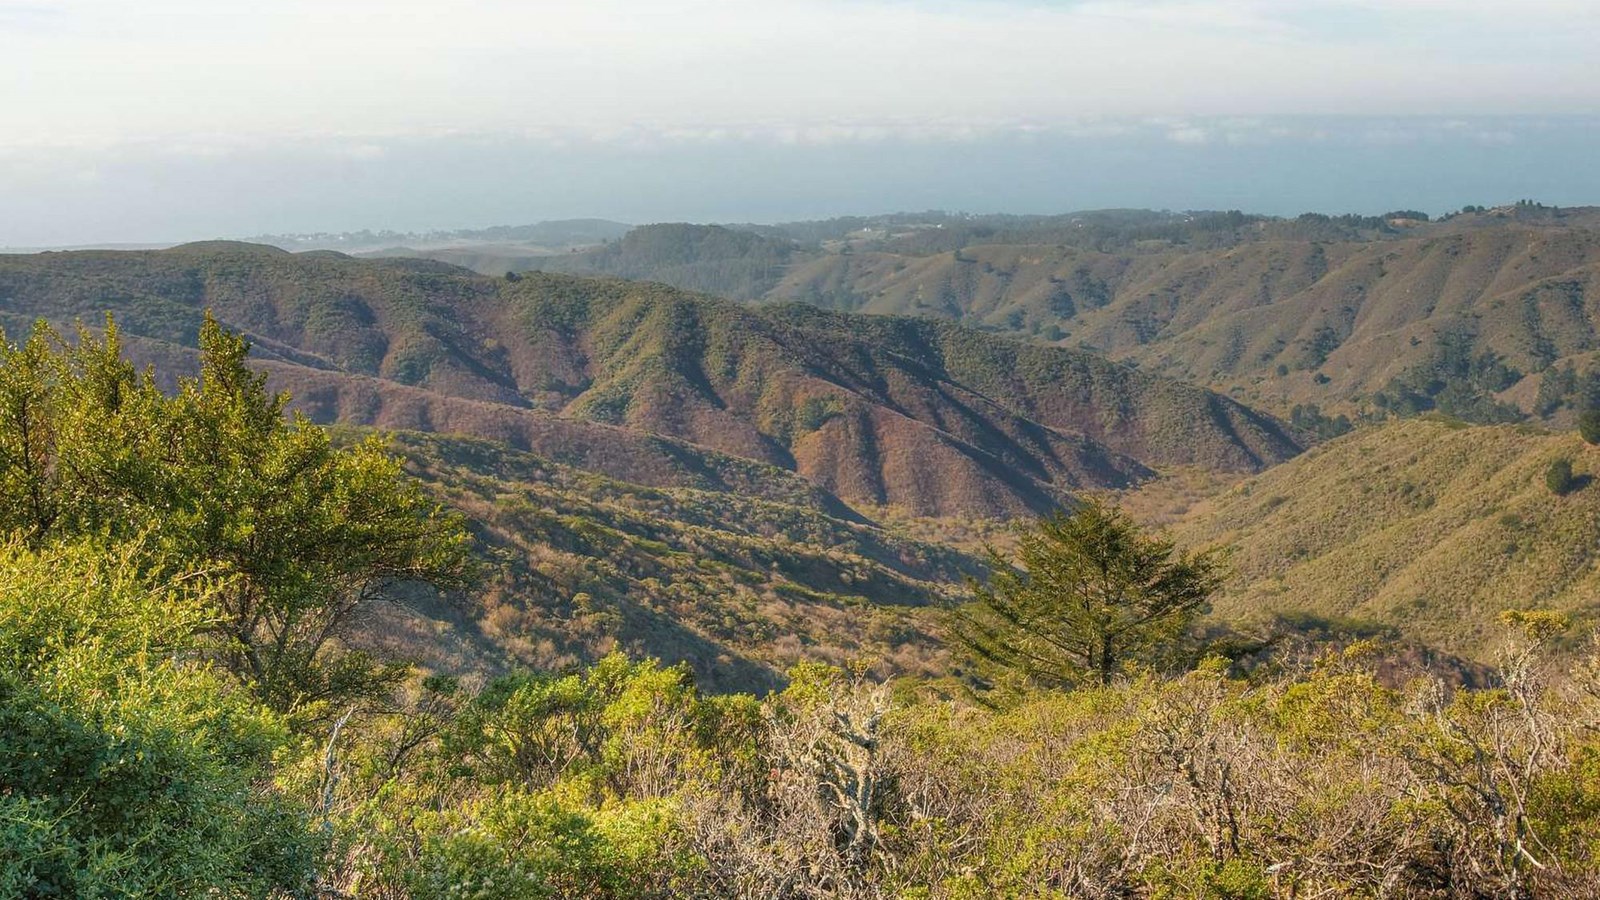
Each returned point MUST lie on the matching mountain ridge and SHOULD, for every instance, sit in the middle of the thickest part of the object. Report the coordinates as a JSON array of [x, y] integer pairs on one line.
[[401, 343], [1366, 317]]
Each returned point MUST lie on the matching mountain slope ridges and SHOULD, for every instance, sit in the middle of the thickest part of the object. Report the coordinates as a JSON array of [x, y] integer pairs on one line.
[[1276, 312], [929, 417]]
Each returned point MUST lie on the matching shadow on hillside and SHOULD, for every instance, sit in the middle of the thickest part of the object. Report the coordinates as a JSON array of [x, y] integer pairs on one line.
[[442, 634], [716, 667]]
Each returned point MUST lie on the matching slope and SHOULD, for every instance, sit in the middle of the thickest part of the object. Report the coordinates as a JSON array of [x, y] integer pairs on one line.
[[741, 588], [1358, 316], [1429, 526], [931, 418]]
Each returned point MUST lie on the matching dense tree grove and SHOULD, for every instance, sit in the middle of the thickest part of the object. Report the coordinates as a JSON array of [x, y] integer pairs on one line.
[[181, 715]]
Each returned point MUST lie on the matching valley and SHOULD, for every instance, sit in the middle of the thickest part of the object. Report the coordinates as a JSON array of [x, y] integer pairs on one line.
[[746, 485], [627, 556]]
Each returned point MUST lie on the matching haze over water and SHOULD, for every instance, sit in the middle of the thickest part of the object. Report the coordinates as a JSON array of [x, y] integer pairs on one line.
[[301, 116]]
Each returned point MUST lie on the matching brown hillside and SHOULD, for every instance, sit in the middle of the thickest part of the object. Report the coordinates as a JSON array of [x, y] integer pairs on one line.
[[931, 418]]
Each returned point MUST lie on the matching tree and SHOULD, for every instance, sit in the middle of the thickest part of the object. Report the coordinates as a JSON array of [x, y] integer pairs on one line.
[[1589, 425], [305, 535], [313, 534], [1089, 592], [1558, 478]]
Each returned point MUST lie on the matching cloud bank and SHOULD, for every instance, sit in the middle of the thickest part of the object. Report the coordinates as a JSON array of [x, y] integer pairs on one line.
[[172, 118]]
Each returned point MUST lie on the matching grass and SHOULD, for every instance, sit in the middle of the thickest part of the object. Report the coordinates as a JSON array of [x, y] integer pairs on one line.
[[1428, 526]]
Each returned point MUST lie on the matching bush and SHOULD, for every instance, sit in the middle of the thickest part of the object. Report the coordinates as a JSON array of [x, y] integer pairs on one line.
[[311, 534], [128, 766], [1589, 425], [1558, 478]]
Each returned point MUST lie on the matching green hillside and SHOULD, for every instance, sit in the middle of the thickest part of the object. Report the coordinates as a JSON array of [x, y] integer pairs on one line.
[[709, 258], [1427, 526], [1358, 316]]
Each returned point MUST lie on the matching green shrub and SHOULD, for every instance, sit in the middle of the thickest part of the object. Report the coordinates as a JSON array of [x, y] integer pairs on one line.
[[1558, 477], [128, 767], [517, 845], [1589, 425]]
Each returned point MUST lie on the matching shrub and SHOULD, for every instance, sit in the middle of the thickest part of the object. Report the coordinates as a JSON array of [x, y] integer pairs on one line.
[[128, 767], [311, 533], [1558, 478], [1589, 425]]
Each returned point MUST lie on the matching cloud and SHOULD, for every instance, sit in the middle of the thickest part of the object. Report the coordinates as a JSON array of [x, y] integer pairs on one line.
[[109, 69]]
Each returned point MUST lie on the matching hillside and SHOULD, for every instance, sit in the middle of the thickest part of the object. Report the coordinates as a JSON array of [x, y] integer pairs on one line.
[[1427, 526], [709, 258], [1358, 316], [739, 587], [931, 418]]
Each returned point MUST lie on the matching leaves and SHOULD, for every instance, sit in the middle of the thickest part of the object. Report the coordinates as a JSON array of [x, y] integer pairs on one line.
[[303, 534]]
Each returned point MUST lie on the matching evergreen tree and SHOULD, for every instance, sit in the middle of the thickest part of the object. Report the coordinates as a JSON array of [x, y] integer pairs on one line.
[[1589, 425], [1089, 592], [1558, 478]]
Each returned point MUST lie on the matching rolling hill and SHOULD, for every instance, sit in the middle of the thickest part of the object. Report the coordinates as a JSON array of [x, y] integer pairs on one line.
[[738, 586], [1363, 317], [1430, 527], [661, 387], [727, 483]]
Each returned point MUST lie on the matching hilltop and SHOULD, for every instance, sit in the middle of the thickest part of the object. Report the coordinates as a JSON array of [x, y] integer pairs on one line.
[[657, 386]]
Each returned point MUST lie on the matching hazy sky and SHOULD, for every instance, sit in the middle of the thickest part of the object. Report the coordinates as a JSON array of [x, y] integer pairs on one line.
[[173, 119]]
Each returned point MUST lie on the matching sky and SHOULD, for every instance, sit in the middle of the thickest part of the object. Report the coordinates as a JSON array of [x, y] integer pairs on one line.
[[164, 120]]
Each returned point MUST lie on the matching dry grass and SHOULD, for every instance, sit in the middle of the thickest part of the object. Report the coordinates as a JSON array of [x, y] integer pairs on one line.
[[1428, 526]]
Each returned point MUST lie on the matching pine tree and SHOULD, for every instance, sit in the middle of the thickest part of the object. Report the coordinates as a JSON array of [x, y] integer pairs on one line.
[[1089, 592]]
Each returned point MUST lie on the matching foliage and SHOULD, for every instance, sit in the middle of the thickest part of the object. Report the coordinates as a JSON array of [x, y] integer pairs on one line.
[[302, 535], [624, 780], [1094, 593], [1308, 417], [1589, 426], [1315, 777], [128, 766], [1558, 477], [1454, 381]]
